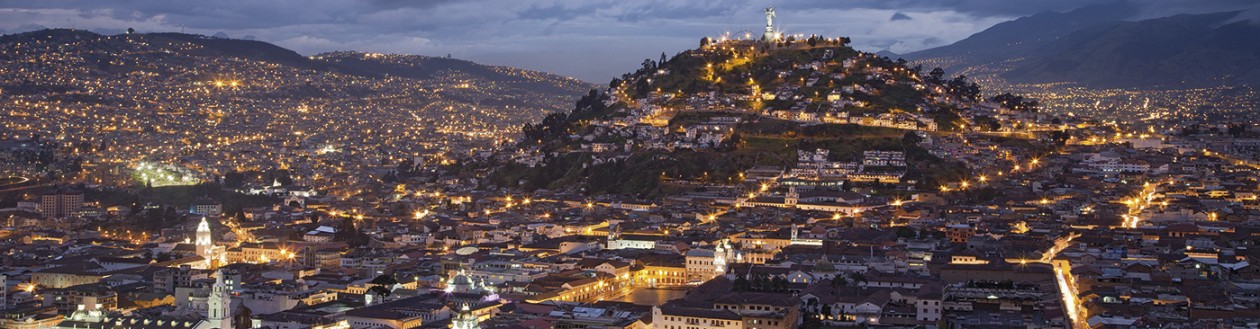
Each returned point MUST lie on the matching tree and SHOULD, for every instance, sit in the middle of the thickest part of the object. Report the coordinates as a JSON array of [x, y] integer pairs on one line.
[[380, 291], [1236, 129], [911, 138], [937, 76], [406, 167], [813, 41], [741, 283], [1060, 137], [779, 284], [233, 179], [1015, 103], [811, 321], [987, 122], [131, 31], [857, 277], [641, 88], [385, 279], [1193, 129], [242, 318], [705, 41], [347, 232], [905, 232]]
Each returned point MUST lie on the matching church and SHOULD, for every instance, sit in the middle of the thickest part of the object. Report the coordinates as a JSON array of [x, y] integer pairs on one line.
[[218, 315], [214, 256]]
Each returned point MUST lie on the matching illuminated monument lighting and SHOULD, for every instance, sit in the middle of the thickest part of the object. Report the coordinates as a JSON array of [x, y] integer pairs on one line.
[[771, 34]]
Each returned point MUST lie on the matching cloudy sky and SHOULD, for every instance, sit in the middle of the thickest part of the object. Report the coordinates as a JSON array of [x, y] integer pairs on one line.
[[592, 40]]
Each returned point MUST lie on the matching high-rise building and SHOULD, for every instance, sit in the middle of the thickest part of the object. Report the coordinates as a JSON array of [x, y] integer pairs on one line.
[[60, 204]]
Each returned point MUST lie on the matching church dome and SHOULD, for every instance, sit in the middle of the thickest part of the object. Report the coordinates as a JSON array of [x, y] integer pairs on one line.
[[461, 280], [824, 266]]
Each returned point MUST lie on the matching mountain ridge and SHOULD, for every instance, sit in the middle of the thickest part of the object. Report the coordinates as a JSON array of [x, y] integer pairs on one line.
[[1096, 46]]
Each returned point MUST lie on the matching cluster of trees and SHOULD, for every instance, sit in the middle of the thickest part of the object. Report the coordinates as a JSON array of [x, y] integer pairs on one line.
[[42, 156], [958, 86], [988, 123], [759, 282], [406, 169], [1016, 103], [154, 218], [382, 284], [1233, 129], [557, 124], [346, 231], [1060, 137], [235, 179]]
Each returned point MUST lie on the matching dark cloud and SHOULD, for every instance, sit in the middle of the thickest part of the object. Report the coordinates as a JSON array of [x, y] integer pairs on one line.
[[986, 8], [590, 39]]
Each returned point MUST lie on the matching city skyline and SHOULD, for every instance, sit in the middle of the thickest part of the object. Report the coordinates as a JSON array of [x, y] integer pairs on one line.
[[765, 167]]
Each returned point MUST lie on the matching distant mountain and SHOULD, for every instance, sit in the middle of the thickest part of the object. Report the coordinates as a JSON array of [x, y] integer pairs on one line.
[[1094, 46], [1019, 37], [887, 53]]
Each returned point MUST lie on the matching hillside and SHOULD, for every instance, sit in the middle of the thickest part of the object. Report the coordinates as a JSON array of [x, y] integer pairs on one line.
[[224, 104], [1095, 47], [1020, 37], [1184, 51], [707, 120]]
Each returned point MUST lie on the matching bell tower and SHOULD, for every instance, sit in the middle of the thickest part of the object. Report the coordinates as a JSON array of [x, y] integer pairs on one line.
[[219, 304]]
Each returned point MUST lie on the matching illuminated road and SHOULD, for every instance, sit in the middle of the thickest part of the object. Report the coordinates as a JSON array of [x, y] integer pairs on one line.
[[15, 180], [1067, 284], [1064, 280], [1137, 204], [1067, 288]]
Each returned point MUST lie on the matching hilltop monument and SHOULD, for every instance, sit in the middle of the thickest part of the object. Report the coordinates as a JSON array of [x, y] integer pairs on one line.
[[770, 34]]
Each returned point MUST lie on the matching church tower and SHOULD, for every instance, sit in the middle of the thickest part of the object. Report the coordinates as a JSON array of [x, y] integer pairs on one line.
[[792, 197], [614, 234], [465, 319], [205, 244], [219, 304], [720, 257]]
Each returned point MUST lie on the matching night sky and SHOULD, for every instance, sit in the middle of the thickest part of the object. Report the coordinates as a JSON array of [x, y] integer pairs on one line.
[[592, 40]]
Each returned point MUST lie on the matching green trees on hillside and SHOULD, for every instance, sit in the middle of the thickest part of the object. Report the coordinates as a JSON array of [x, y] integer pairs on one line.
[[557, 124]]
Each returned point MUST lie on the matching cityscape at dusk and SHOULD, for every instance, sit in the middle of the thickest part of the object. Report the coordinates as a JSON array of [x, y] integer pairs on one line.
[[651, 164]]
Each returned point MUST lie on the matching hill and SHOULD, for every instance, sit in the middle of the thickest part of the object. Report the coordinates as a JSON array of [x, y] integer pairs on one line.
[[1096, 47], [709, 120], [218, 105]]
